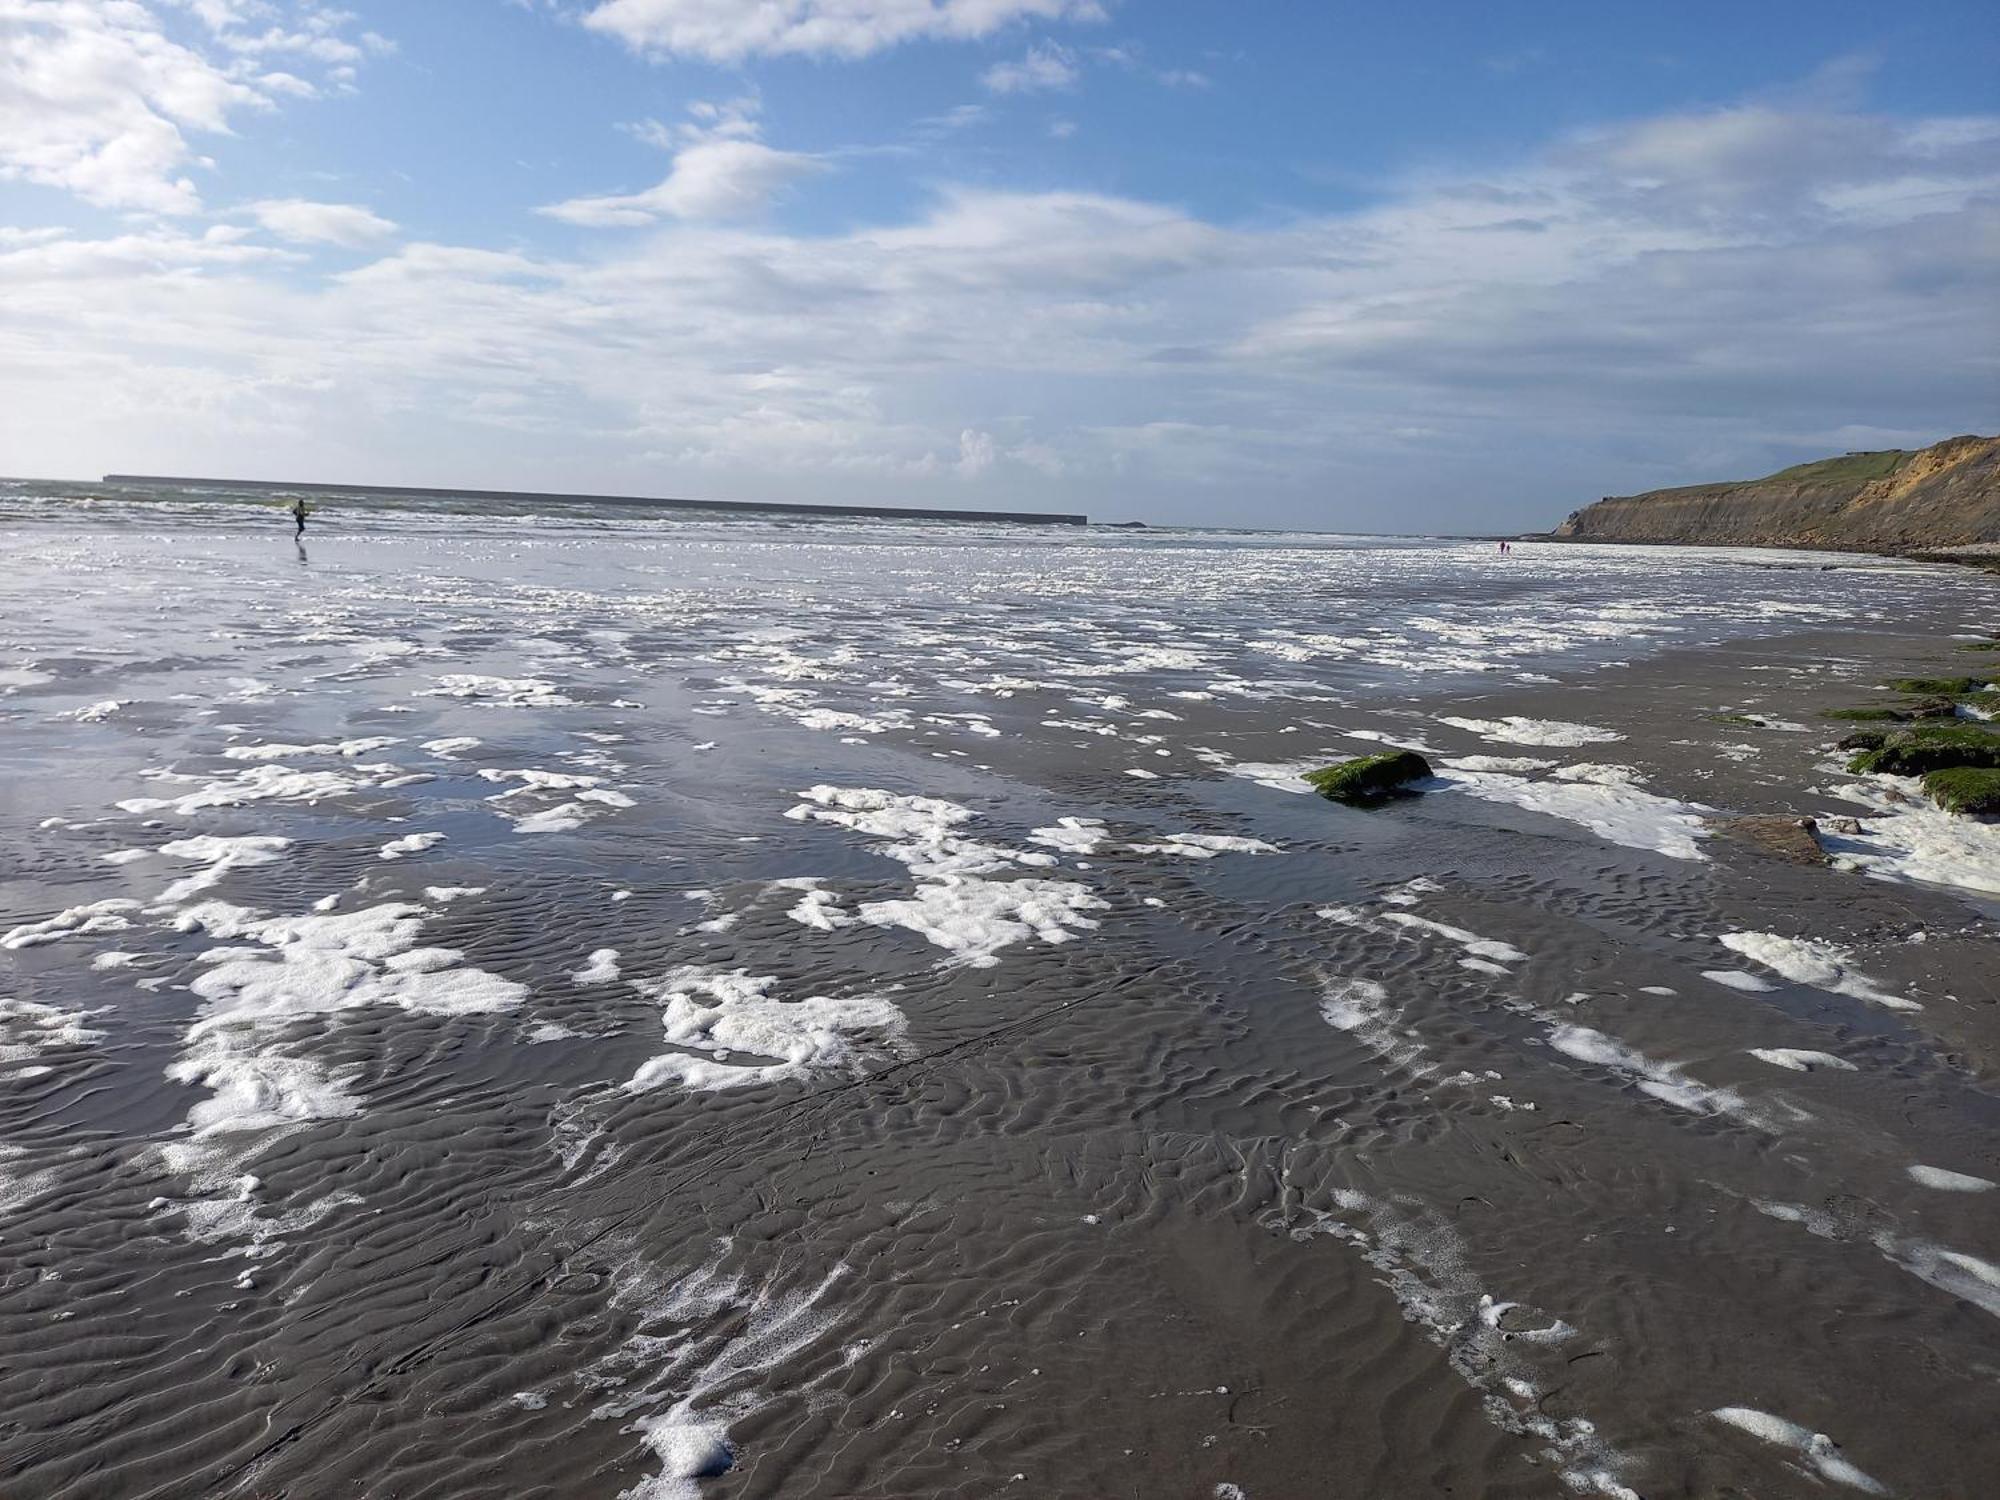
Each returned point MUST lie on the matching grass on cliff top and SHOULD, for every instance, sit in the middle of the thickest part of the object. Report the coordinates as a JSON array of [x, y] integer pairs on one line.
[[1849, 468]]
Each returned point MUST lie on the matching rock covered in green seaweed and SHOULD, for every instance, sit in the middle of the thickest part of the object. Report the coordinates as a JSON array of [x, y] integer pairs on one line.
[[1965, 789], [1937, 687], [1930, 747], [1370, 778]]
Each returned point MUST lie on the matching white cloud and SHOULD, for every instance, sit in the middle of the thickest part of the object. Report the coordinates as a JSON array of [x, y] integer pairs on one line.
[[1046, 66], [731, 30], [1604, 314], [304, 222], [721, 171], [95, 96], [714, 180]]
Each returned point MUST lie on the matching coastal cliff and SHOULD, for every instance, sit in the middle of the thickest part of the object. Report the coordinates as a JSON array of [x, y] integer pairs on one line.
[[1939, 498]]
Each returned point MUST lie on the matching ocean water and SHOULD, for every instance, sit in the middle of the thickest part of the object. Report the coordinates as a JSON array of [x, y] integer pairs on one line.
[[565, 1002]]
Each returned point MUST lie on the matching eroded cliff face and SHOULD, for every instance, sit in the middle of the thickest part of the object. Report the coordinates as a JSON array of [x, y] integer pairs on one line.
[[1940, 497]]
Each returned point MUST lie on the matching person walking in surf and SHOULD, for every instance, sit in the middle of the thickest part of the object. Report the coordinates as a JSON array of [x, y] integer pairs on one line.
[[299, 514]]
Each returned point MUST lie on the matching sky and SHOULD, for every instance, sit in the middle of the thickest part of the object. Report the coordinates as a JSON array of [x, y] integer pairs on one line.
[[1462, 265]]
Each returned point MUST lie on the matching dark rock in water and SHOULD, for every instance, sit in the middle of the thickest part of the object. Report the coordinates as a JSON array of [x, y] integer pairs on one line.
[[1965, 789], [1930, 747], [1781, 837], [1371, 777], [1841, 826], [1863, 739]]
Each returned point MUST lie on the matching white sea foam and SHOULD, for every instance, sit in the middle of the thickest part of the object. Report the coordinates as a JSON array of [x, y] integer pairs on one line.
[[509, 692], [1910, 839], [1072, 835], [715, 1014], [974, 919], [346, 749], [1663, 1081], [265, 782], [1513, 765], [410, 843], [1815, 1448], [108, 915], [1736, 979], [96, 713], [1425, 1267], [1949, 1182], [1515, 730], [1204, 845], [1618, 814], [1807, 961], [1952, 1272], [1361, 1008], [220, 855], [450, 747], [1800, 1060], [600, 968], [29, 1028], [302, 968]]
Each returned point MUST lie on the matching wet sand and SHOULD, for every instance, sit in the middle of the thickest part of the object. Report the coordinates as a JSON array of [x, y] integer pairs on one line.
[[811, 1063]]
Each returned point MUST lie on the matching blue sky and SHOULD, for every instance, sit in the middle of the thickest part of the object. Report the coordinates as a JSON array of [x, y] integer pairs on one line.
[[1455, 266]]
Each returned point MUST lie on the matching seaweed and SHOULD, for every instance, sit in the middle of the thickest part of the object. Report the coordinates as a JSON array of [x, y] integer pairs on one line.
[[1965, 789], [1930, 747], [1371, 778]]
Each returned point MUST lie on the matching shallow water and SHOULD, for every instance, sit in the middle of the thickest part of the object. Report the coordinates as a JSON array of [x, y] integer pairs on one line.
[[574, 1004]]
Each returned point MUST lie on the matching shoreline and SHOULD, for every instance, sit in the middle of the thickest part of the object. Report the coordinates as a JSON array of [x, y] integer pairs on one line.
[[730, 507]]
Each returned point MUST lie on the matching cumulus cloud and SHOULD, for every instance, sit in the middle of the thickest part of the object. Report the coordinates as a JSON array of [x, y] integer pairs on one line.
[[304, 222], [731, 30], [1601, 314], [722, 179], [1047, 66], [720, 171], [96, 98]]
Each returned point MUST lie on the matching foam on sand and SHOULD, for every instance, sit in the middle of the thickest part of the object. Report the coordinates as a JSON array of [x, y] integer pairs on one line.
[[1663, 1081], [108, 915], [1204, 845], [29, 1028], [499, 692], [1800, 1060], [1516, 730], [715, 1014], [409, 843], [953, 907], [600, 968], [1816, 1449], [1617, 813], [1949, 1182], [1821, 965], [1426, 1268], [301, 968], [1909, 839], [266, 782], [1361, 1008], [220, 855]]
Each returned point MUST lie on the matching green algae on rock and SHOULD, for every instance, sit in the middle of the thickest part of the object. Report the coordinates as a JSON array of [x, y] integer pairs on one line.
[[1930, 747], [1965, 789], [1370, 778], [1937, 687]]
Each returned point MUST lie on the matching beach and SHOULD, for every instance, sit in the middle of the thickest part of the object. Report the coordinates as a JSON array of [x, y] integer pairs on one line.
[[576, 1004]]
